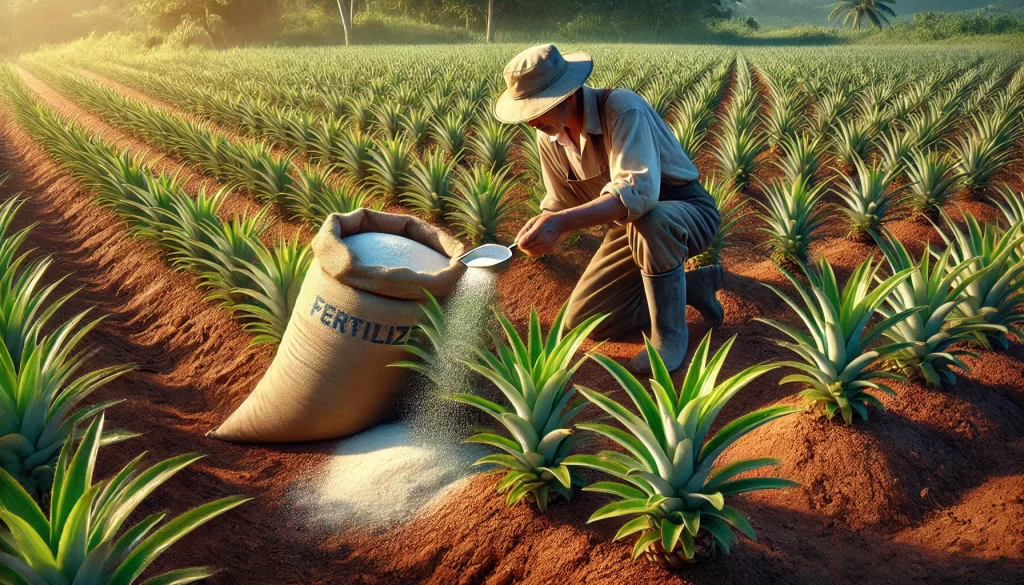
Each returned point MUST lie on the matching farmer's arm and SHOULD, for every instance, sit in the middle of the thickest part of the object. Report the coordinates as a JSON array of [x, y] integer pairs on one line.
[[635, 170]]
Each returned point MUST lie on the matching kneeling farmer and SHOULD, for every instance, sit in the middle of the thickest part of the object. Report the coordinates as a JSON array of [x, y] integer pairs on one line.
[[609, 158]]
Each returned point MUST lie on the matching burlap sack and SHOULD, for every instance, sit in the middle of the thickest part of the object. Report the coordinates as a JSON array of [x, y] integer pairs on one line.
[[330, 377]]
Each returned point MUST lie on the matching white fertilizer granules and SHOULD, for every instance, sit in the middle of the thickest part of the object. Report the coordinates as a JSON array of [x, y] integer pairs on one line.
[[382, 476], [389, 473], [380, 249]]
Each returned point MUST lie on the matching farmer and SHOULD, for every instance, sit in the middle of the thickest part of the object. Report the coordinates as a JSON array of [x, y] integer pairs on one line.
[[609, 159]]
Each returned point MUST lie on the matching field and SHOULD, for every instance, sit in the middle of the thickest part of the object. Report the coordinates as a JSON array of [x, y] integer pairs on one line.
[[176, 192]]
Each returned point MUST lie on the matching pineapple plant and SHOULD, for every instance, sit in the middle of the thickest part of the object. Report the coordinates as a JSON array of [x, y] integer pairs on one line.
[[868, 197], [277, 276], [39, 390], [389, 168], [932, 177], [737, 154], [933, 292], [793, 214], [481, 205], [430, 184], [86, 538], [801, 159], [667, 480], [450, 133], [838, 367], [997, 296], [533, 376], [492, 143]]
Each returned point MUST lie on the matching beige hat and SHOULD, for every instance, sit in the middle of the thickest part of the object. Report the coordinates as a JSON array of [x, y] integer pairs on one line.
[[538, 79]]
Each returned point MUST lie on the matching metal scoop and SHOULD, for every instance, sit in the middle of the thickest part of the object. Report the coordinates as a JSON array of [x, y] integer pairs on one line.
[[492, 257]]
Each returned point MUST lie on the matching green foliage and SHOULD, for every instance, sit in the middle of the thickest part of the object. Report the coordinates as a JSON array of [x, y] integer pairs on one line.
[[868, 197], [667, 477], [482, 203], [932, 293], [854, 12], [39, 389], [996, 297], [794, 216], [79, 541], [533, 376], [838, 367]]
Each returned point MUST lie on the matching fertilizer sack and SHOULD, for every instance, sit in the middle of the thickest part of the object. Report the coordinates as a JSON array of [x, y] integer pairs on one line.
[[354, 314]]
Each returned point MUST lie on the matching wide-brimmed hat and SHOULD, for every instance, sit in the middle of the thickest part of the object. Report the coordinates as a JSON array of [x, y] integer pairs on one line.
[[537, 80]]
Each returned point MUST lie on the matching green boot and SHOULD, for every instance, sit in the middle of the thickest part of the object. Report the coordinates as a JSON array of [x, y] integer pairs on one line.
[[666, 299], [701, 286]]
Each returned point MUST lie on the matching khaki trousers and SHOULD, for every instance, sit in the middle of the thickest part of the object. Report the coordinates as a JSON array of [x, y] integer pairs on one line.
[[681, 225]]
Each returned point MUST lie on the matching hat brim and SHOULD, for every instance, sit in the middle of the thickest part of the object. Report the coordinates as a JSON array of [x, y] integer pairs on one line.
[[513, 111]]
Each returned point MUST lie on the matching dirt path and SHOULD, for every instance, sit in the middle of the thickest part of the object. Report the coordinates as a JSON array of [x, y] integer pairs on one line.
[[235, 204]]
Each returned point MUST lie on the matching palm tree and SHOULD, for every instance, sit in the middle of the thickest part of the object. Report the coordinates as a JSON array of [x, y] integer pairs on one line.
[[855, 10]]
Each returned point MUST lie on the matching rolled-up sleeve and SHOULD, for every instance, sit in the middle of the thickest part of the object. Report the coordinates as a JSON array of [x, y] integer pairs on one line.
[[634, 165], [558, 194]]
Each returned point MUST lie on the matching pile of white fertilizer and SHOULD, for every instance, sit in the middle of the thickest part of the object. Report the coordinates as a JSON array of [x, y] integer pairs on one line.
[[380, 249], [382, 476], [387, 474]]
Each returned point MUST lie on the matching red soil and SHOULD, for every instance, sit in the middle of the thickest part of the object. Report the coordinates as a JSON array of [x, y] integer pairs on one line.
[[930, 491]]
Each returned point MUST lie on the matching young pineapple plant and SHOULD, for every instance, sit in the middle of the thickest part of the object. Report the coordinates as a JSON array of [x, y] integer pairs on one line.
[[482, 203], [794, 215], [416, 123], [389, 169], [39, 389], [533, 376], [933, 292], [997, 296], [932, 177], [387, 119], [450, 133], [430, 184], [895, 151], [1011, 203], [667, 478], [868, 197], [277, 276], [730, 206], [737, 154], [86, 538], [983, 151], [802, 156], [838, 367], [492, 143], [852, 142], [354, 157]]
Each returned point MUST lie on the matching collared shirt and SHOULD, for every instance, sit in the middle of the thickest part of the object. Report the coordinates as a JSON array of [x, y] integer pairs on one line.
[[642, 153]]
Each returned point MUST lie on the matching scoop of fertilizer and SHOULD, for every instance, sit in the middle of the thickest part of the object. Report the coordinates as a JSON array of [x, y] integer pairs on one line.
[[493, 257]]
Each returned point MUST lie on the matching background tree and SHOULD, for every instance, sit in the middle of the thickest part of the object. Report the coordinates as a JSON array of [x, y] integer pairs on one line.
[[854, 12]]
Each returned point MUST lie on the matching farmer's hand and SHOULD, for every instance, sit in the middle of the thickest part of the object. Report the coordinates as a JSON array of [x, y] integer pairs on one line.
[[541, 234]]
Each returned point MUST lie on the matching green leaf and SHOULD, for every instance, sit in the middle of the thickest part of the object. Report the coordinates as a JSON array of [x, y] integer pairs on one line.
[[151, 548], [644, 542]]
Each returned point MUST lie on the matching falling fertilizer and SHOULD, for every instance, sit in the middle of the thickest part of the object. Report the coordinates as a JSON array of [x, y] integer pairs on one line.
[[389, 473]]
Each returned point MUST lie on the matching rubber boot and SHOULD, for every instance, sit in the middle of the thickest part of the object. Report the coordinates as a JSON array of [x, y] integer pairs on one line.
[[701, 286], [666, 299]]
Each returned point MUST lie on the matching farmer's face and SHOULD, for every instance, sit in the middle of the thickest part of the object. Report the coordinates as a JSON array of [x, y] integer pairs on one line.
[[554, 120]]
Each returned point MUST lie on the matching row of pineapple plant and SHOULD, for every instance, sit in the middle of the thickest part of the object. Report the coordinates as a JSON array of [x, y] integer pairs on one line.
[[256, 283], [85, 537], [668, 482], [476, 205]]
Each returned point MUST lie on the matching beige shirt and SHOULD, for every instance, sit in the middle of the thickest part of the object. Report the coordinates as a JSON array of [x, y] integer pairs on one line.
[[642, 153]]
